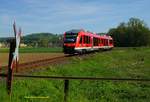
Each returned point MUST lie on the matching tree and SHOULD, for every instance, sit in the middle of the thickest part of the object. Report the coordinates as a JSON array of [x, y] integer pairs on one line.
[[133, 33]]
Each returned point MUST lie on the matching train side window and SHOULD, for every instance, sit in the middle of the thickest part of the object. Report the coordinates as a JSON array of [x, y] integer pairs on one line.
[[84, 39], [109, 41], [89, 40], [95, 41], [103, 41], [106, 42], [100, 41], [80, 40]]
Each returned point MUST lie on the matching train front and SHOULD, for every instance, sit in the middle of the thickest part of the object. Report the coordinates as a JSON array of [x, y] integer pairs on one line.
[[70, 38]]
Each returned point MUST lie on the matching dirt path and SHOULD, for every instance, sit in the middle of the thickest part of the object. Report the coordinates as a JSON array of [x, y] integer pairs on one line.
[[28, 57]]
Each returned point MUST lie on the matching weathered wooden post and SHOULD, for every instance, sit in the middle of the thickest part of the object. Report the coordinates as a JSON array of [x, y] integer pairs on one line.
[[13, 57], [66, 89], [11, 65], [0, 70]]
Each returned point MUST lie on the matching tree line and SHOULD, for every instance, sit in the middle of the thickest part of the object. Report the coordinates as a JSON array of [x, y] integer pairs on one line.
[[134, 33]]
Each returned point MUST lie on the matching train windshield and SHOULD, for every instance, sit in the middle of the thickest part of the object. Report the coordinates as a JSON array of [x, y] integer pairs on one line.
[[70, 37]]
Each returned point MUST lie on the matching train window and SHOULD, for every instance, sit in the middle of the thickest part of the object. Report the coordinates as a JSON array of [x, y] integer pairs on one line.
[[84, 39], [110, 41], [100, 41], [80, 40], [103, 41], [70, 37], [106, 42], [88, 40], [95, 41]]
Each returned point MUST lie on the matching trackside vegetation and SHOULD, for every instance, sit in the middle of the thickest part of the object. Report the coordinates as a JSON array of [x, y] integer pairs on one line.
[[119, 62]]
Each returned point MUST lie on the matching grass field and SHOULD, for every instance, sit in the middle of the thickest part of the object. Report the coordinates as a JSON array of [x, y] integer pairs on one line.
[[120, 63], [34, 50]]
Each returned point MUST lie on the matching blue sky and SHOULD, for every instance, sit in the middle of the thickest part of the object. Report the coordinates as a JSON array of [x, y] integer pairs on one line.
[[58, 16]]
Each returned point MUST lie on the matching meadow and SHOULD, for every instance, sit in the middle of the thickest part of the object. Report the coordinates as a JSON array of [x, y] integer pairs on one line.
[[119, 62]]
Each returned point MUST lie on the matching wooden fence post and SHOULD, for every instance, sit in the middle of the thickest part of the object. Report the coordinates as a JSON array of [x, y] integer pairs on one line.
[[10, 67], [0, 71], [66, 89]]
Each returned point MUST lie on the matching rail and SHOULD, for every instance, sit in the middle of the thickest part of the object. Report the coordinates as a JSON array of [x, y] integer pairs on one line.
[[75, 78]]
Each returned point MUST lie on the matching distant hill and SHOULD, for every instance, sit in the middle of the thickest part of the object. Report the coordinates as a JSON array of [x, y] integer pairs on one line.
[[42, 40], [4, 39], [39, 40]]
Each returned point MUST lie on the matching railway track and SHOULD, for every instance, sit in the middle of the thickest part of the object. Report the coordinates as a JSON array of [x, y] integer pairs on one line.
[[39, 63]]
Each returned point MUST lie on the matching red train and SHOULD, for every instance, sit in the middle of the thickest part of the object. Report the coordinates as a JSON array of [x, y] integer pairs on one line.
[[80, 41]]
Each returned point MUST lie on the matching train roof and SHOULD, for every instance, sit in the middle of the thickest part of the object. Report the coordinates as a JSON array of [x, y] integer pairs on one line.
[[74, 31]]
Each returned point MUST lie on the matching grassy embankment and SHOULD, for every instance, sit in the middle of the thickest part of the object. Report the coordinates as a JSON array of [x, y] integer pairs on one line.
[[120, 63]]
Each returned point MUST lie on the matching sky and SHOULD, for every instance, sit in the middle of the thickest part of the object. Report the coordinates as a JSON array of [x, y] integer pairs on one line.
[[58, 16]]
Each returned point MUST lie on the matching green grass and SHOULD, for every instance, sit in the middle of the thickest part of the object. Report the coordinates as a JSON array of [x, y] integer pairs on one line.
[[120, 63], [34, 50]]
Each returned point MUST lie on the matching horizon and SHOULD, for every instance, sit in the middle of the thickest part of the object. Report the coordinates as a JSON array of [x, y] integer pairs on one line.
[[36, 16]]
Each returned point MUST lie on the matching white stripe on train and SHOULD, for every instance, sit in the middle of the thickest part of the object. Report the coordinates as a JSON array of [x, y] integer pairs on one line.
[[93, 48]]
